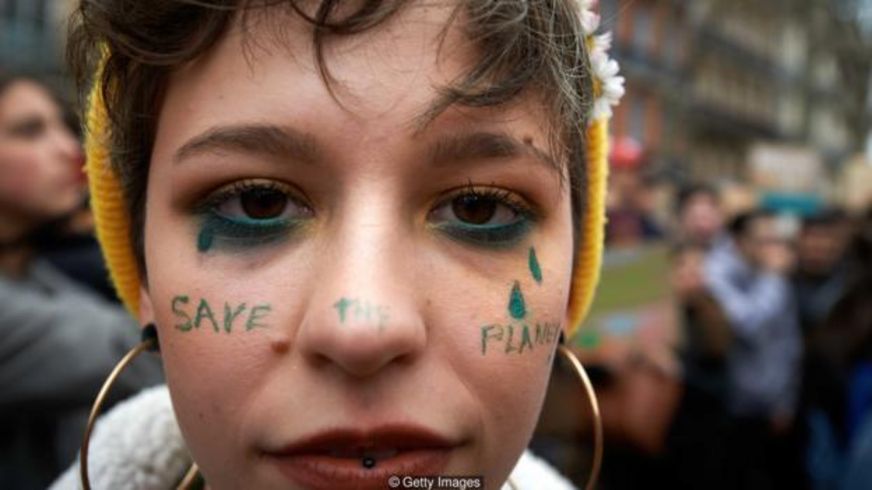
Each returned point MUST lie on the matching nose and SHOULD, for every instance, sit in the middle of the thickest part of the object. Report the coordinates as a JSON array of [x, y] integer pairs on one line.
[[364, 316]]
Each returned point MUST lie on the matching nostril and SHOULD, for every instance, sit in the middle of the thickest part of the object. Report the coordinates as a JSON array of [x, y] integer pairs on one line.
[[404, 359], [320, 360], [360, 363]]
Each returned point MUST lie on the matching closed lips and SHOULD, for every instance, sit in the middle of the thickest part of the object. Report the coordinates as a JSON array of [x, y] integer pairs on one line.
[[347, 458]]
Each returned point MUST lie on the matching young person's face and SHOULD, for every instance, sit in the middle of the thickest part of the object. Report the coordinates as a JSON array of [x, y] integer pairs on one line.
[[40, 173], [820, 247], [339, 282], [701, 219], [760, 240]]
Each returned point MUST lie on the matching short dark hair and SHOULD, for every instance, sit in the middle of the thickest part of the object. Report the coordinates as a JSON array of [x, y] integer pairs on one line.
[[689, 191], [525, 47], [824, 218], [742, 222]]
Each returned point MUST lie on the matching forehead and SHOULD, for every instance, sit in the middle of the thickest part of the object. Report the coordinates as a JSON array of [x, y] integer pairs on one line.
[[23, 97], [382, 81], [700, 199], [269, 52]]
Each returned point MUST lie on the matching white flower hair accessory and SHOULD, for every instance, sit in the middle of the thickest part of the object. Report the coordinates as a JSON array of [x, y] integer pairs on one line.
[[608, 86]]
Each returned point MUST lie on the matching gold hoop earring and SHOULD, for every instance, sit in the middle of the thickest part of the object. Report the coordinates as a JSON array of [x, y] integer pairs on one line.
[[149, 343], [570, 356]]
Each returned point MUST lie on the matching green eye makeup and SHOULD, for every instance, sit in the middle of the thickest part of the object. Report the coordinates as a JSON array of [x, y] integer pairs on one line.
[[258, 212], [249, 214], [241, 233]]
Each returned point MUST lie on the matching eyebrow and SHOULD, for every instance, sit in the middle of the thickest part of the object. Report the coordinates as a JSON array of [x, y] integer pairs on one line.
[[288, 142], [483, 145], [267, 139]]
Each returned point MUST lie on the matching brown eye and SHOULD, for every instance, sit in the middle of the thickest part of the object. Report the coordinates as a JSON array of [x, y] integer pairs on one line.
[[474, 209], [262, 203], [29, 129], [483, 216]]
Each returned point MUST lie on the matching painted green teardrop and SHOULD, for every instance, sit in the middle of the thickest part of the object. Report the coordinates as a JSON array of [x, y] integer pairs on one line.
[[517, 308], [205, 239], [535, 270]]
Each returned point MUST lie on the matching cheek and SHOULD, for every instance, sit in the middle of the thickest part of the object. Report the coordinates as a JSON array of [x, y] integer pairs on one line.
[[216, 376], [217, 323], [502, 334], [20, 172], [31, 178]]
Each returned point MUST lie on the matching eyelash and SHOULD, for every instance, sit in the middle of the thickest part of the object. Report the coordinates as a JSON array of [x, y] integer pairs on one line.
[[498, 194], [236, 189]]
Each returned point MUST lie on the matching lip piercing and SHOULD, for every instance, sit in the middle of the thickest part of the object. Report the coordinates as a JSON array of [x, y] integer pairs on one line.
[[368, 462]]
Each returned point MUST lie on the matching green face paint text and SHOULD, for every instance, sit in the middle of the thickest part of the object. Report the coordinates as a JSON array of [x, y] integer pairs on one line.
[[517, 337], [361, 311], [239, 315]]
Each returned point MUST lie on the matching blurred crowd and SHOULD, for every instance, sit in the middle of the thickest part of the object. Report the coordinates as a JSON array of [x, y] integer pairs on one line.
[[772, 386], [61, 329]]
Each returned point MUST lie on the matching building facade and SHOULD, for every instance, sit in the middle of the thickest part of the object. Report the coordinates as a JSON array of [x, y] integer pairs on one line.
[[707, 80], [31, 39]]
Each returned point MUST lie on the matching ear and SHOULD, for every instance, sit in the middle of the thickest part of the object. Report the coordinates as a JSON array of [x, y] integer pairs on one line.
[[146, 310]]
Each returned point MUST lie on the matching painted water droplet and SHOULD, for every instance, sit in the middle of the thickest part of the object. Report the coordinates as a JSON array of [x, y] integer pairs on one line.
[[517, 308], [205, 239], [535, 270]]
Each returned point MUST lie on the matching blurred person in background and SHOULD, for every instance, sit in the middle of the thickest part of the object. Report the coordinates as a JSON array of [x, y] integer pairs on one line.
[[819, 280], [630, 217], [821, 268], [665, 428], [699, 215], [72, 246], [706, 330], [746, 274], [57, 340], [695, 455], [838, 378], [75, 252]]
